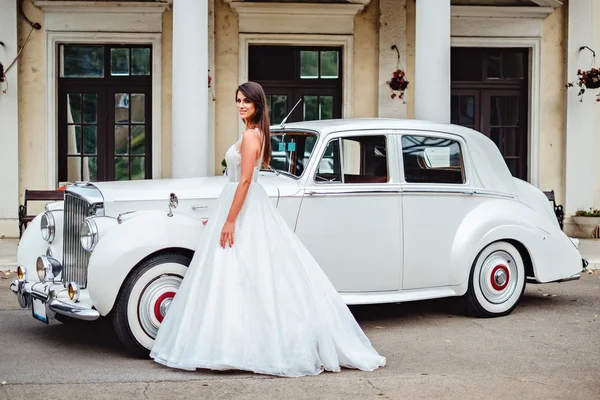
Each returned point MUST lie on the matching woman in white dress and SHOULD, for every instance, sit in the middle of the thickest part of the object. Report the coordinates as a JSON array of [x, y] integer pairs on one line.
[[253, 297]]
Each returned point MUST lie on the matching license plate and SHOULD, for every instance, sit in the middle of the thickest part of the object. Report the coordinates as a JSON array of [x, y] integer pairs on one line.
[[38, 308]]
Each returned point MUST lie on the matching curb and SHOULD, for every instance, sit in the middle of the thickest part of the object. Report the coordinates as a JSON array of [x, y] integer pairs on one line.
[[10, 267], [593, 265]]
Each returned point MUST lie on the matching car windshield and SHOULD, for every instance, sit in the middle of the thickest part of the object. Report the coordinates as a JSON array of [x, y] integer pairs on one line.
[[291, 151]]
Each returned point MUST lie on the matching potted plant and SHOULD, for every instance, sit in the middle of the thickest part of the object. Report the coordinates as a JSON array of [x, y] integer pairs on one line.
[[398, 84], [589, 79], [588, 221]]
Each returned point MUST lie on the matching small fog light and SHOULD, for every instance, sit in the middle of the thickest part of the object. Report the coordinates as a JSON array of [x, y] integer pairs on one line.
[[73, 291], [40, 269], [21, 273]]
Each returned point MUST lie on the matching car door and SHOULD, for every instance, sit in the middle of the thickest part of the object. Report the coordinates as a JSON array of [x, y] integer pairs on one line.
[[436, 197], [350, 218]]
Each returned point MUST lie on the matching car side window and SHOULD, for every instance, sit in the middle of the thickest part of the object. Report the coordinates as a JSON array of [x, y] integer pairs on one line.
[[359, 159], [432, 160]]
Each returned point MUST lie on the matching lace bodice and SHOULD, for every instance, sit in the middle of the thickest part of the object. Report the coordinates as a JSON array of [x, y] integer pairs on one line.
[[233, 158]]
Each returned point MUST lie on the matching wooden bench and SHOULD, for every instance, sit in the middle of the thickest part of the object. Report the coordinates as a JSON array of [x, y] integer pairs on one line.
[[558, 209], [36, 195]]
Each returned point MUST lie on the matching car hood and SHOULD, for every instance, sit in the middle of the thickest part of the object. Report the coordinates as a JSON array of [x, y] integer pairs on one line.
[[187, 188]]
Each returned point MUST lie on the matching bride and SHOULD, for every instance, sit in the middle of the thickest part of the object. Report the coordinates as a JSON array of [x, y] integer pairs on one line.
[[253, 297]]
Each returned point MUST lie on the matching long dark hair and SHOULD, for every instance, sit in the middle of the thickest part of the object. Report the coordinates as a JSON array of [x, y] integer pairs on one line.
[[255, 93]]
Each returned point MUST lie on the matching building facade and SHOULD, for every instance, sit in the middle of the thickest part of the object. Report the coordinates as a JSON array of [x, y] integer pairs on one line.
[[117, 90]]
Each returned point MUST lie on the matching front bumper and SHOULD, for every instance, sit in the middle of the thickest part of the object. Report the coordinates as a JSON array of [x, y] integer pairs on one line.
[[53, 297]]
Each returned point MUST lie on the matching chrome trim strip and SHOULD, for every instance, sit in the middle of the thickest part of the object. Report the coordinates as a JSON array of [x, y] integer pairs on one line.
[[352, 192], [71, 310], [411, 190], [340, 145]]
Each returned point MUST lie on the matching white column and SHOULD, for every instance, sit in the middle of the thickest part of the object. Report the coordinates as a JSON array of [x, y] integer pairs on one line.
[[580, 145], [432, 60], [392, 31], [190, 89], [211, 102], [9, 123]]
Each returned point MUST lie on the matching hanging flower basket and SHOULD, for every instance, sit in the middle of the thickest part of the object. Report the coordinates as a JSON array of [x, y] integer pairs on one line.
[[398, 84], [589, 79]]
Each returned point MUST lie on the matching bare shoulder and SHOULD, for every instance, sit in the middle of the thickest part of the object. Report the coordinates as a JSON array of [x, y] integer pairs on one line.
[[250, 138]]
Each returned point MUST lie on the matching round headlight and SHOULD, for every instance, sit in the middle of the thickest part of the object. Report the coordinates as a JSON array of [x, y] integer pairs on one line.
[[21, 273], [89, 234], [48, 226]]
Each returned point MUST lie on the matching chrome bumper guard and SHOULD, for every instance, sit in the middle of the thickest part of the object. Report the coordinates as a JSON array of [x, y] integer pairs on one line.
[[26, 290]]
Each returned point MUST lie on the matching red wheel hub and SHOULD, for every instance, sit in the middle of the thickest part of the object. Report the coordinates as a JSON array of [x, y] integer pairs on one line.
[[500, 277], [163, 297]]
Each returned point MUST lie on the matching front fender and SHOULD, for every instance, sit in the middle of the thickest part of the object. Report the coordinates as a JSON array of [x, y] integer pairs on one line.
[[552, 254], [123, 247], [31, 246]]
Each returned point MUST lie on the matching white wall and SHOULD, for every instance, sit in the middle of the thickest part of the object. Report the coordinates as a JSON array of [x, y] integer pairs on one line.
[[580, 145], [9, 123]]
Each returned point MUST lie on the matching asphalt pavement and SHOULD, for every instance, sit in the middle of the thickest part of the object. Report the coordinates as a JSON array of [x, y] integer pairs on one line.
[[548, 348]]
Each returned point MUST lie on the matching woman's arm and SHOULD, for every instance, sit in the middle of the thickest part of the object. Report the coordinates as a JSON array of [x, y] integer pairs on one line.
[[250, 150]]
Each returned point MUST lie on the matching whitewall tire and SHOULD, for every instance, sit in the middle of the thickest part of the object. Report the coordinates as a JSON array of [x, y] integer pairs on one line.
[[144, 300], [497, 281]]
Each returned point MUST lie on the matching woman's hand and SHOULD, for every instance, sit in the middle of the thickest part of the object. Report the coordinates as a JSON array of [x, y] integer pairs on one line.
[[227, 234]]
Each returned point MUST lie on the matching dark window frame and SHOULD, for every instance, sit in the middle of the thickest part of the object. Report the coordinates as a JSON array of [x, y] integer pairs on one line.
[[106, 87], [483, 89], [297, 87]]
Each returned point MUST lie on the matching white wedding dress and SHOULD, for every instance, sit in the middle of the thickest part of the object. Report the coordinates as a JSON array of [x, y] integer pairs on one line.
[[263, 305]]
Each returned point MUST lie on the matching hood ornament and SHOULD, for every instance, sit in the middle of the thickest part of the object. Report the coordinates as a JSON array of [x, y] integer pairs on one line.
[[173, 203]]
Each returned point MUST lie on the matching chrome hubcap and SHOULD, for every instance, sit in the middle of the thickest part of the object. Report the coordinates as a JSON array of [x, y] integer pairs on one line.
[[155, 302], [498, 277], [164, 306]]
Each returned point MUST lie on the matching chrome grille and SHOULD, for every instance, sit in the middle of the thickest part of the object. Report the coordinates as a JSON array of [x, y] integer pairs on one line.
[[75, 258]]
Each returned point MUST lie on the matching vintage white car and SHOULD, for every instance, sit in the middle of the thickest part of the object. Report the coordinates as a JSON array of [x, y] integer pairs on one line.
[[393, 210]]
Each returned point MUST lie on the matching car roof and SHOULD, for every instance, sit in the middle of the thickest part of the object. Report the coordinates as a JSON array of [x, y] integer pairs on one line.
[[336, 125], [490, 168]]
